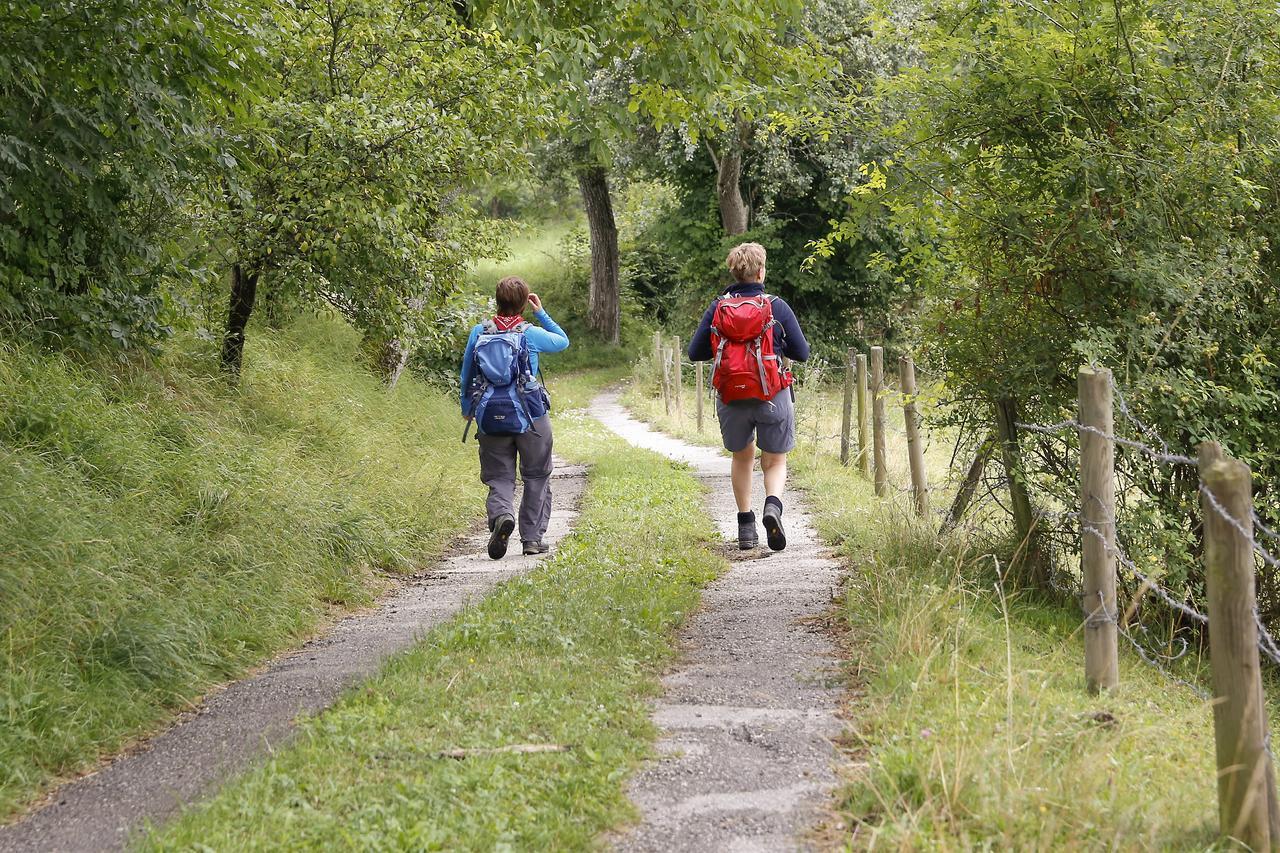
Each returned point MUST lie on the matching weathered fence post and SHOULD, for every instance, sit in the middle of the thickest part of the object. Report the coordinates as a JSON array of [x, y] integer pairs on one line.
[[1245, 789], [915, 449], [846, 413], [877, 420], [677, 366], [1098, 529], [864, 448], [657, 347], [665, 363]]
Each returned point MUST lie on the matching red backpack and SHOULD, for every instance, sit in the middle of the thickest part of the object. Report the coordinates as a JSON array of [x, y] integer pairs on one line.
[[746, 366]]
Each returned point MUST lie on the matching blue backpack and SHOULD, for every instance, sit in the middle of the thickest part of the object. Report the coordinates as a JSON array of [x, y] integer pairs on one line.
[[506, 398]]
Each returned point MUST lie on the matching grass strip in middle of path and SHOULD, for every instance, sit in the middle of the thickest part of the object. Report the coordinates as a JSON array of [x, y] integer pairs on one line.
[[565, 655]]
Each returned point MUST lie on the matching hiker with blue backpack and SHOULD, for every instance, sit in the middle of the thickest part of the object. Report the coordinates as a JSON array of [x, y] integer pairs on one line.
[[745, 334], [504, 397]]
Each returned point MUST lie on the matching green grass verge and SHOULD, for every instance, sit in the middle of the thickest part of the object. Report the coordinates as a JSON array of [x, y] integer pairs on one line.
[[566, 654], [161, 531], [971, 727]]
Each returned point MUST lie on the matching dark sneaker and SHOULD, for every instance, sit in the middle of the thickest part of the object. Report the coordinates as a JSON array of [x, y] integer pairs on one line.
[[772, 521], [502, 527], [748, 538], [538, 547]]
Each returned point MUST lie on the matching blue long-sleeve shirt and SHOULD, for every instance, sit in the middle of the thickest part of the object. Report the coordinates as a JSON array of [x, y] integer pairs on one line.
[[549, 338], [788, 339]]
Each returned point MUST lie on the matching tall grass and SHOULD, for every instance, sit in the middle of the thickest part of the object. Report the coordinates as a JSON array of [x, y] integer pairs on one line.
[[161, 531]]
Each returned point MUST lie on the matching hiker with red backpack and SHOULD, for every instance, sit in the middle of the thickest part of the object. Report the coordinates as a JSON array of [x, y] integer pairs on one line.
[[745, 334], [503, 396]]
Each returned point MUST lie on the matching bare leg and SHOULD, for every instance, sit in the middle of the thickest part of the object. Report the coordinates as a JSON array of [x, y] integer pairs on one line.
[[744, 464], [774, 466]]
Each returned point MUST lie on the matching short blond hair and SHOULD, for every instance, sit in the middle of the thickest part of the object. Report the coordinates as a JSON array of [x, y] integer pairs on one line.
[[746, 261]]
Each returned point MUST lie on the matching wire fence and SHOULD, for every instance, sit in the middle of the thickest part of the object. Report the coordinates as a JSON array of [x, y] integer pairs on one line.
[[1144, 582]]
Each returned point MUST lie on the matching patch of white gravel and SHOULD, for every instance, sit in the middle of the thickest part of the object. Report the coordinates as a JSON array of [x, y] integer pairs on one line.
[[749, 714]]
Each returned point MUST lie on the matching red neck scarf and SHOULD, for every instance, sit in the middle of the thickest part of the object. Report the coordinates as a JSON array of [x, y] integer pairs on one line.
[[506, 324]]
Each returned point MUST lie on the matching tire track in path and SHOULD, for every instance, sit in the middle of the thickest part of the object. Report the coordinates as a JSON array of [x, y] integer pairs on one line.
[[748, 716], [238, 725]]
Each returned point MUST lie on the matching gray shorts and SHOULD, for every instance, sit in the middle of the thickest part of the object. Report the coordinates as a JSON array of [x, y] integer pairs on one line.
[[771, 422]]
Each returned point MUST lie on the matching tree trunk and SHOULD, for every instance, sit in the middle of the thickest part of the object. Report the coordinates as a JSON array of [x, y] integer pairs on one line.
[[604, 308], [1031, 567], [244, 289], [735, 212], [733, 208], [392, 357]]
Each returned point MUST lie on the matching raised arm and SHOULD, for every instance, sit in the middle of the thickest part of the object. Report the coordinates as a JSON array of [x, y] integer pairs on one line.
[[549, 337]]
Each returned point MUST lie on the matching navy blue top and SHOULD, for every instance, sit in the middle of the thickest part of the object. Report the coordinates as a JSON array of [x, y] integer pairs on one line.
[[787, 337]]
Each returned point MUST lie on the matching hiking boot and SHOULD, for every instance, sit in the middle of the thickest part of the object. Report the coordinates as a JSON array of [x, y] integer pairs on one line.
[[538, 547], [748, 537], [772, 520], [501, 527]]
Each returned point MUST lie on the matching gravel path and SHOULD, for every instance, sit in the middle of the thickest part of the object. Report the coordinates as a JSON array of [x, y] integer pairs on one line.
[[237, 725], [749, 715]]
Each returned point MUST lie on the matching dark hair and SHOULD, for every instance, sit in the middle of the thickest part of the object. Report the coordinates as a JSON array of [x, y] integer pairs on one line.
[[512, 296]]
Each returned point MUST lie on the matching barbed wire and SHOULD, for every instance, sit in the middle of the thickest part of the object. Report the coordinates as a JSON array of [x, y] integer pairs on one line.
[[1266, 531], [1074, 425], [1226, 516], [1267, 644], [1144, 579], [1151, 658], [1148, 431]]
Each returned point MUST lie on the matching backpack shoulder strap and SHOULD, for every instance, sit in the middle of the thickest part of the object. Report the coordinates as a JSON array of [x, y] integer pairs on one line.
[[488, 327]]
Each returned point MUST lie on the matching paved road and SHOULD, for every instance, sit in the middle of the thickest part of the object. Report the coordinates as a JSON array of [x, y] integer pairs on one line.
[[749, 715], [236, 726]]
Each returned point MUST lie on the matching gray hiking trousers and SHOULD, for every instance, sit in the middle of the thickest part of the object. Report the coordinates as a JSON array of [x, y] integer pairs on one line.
[[498, 455]]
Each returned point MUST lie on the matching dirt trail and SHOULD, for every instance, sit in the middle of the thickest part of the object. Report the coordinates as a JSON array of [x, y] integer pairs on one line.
[[749, 715], [236, 726]]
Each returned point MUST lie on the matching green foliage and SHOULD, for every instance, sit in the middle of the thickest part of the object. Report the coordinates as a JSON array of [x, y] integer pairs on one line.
[[799, 162], [1080, 182], [109, 111], [161, 533], [608, 60], [566, 654], [384, 116]]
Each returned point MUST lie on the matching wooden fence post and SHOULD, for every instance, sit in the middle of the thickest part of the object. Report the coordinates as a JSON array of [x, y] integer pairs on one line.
[[915, 448], [1245, 792], [1098, 529], [846, 413], [877, 420], [864, 442], [677, 368], [664, 362], [657, 347], [698, 371]]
